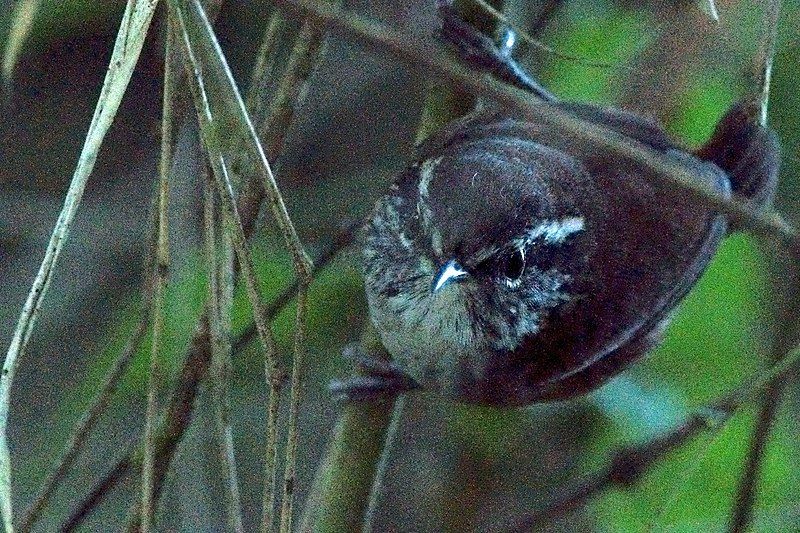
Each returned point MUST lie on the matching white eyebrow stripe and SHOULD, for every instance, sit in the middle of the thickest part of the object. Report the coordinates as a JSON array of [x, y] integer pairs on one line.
[[425, 177], [553, 231]]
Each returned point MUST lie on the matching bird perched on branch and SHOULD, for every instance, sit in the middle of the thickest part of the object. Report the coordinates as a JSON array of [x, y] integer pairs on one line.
[[514, 263]]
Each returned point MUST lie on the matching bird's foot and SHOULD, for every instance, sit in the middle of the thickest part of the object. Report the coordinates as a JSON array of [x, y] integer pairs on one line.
[[481, 51], [378, 379]]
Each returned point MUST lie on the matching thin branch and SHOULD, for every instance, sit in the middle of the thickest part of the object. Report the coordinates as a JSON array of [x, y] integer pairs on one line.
[[219, 259], [766, 55], [713, 12], [343, 239], [294, 408], [275, 382], [301, 261], [628, 465], [112, 379], [745, 499], [233, 222], [264, 67], [85, 426], [539, 45], [238, 237], [20, 28], [121, 471], [383, 464], [661, 168], [128, 45], [307, 47], [306, 50], [159, 273], [179, 411], [235, 232], [789, 308]]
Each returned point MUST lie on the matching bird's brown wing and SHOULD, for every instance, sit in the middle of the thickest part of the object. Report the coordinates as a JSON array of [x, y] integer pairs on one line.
[[650, 249]]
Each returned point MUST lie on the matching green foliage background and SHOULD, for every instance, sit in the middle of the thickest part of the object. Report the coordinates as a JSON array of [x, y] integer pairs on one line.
[[719, 337]]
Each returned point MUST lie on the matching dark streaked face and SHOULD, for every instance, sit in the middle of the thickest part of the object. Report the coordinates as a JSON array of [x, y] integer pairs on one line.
[[469, 253]]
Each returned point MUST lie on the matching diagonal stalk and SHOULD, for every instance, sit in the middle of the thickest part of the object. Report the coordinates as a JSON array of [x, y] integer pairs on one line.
[[160, 274], [21, 23], [128, 45], [788, 308], [220, 274], [294, 407], [626, 466], [178, 413], [659, 166]]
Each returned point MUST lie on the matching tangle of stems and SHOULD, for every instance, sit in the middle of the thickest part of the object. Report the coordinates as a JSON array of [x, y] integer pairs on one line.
[[240, 219]]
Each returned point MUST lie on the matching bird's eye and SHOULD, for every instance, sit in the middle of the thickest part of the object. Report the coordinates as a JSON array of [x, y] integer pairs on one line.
[[514, 265]]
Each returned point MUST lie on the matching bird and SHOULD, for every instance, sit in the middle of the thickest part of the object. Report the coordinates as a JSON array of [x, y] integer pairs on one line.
[[512, 263]]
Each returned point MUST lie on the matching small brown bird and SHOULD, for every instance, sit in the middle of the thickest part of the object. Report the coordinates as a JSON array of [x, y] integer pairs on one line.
[[513, 263]]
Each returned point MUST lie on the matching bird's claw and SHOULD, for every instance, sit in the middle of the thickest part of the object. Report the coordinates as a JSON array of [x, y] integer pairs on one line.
[[378, 379], [484, 53]]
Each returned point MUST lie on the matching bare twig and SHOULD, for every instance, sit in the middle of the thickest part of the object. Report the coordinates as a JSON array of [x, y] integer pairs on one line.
[[271, 449], [628, 465], [766, 55], [179, 411], [536, 43], [713, 12], [85, 425], [307, 47], [343, 239], [264, 67], [300, 259], [660, 167], [302, 264], [745, 500], [220, 274], [160, 273], [234, 226], [21, 23], [135, 22], [122, 470], [103, 398], [233, 223], [294, 408], [383, 464], [787, 331]]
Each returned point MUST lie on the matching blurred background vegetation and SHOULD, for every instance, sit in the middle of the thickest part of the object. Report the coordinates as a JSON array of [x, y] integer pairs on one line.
[[460, 467]]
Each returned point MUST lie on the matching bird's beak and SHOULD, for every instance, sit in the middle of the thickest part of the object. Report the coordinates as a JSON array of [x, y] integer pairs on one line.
[[447, 272]]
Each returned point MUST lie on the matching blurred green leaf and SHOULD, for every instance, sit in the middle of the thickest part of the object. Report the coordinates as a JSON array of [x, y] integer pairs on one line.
[[21, 23], [684, 495], [638, 412], [706, 99], [611, 36], [718, 337]]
